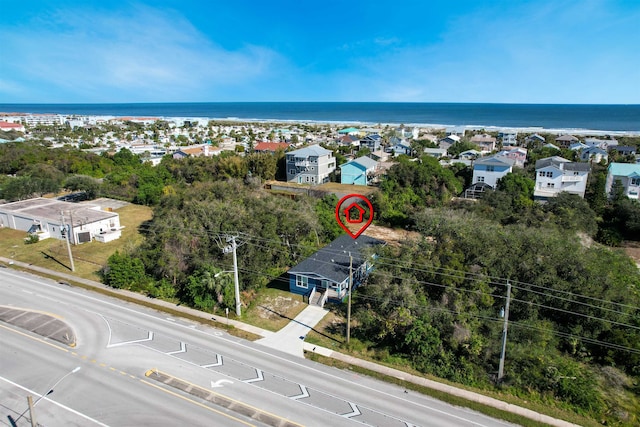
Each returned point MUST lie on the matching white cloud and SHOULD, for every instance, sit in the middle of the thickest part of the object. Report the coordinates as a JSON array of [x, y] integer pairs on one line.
[[135, 55], [546, 51]]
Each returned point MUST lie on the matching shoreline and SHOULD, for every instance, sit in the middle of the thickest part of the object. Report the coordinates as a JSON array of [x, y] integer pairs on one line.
[[557, 130]]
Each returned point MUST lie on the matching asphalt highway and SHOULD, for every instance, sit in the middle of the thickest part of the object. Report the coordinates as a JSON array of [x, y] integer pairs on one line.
[[133, 359]]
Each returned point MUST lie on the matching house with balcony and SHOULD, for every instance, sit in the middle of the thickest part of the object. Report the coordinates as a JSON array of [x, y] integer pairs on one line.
[[508, 137], [373, 142], [325, 274], [566, 140], [555, 175], [485, 142], [310, 165], [488, 170], [629, 176], [359, 171]]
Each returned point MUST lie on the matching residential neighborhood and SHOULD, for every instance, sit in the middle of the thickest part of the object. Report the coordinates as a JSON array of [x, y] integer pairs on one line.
[[156, 206]]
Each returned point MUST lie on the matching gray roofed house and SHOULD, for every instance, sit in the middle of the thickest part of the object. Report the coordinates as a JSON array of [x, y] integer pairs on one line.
[[310, 165], [325, 274], [489, 170], [556, 174]]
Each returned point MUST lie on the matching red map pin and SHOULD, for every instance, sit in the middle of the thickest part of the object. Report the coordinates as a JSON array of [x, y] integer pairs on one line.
[[354, 213]]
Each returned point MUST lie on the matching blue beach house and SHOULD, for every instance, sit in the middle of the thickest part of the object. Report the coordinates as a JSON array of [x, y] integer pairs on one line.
[[325, 274], [358, 171]]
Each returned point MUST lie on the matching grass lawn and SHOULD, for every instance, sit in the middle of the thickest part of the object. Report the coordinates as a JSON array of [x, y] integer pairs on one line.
[[273, 308], [88, 257]]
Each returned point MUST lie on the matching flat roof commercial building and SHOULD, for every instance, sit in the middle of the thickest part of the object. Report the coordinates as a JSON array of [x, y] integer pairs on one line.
[[46, 218]]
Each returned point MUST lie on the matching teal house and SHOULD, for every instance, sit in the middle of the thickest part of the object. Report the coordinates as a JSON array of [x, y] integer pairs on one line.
[[358, 171]]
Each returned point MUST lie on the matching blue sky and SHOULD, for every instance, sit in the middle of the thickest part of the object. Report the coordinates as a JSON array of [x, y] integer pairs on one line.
[[535, 51]]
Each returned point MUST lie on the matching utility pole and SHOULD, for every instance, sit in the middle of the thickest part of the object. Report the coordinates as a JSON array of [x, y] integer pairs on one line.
[[65, 234], [504, 333], [349, 303], [232, 248], [31, 413]]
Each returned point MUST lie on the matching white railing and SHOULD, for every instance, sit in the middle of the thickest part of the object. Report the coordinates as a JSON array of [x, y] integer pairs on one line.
[[312, 294], [324, 299], [571, 178]]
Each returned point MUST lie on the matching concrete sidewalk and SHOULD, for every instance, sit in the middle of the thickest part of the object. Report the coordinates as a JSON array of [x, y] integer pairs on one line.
[[290, 339]]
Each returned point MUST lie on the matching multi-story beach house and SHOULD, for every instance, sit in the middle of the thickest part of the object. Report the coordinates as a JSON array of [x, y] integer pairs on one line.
[[489, 170], [555, 175], [566, 140], [485, 142], [310, 165], [373, 142], [508, 137], [629, 176]]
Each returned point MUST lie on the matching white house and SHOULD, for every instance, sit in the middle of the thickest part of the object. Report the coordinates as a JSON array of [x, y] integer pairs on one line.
[[629, 176], [595, 154], [555, 175], [489, 170], [310, 165], [83, 222]]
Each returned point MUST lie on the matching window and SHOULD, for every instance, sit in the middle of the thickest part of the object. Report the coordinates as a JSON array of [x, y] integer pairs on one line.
[[490, 169], [635, 181], [576, 173], [292, 171], [541, 173], [481, 179], [550, 185], [549, 174], [302, 282], [307, 179]]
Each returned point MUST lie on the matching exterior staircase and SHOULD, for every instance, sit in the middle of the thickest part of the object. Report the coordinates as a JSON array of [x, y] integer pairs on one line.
[[317, 299]]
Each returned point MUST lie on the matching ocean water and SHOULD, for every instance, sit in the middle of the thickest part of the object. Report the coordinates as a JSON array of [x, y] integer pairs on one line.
[[613, 118]]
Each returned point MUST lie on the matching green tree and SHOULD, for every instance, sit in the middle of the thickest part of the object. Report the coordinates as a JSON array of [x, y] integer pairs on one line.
[[124, 272]]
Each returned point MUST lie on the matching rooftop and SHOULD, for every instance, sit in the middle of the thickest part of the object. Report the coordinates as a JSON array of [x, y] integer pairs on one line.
[[50, 209], [332, 261]]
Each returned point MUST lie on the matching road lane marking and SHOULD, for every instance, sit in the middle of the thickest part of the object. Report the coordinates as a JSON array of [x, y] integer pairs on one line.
[[253, 380], [354, 411], [223, 400], [197, 403], [304, 394], [211, 365], [35, 338], [139, 311], [80, 414], [219, 383], [183, 349]]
